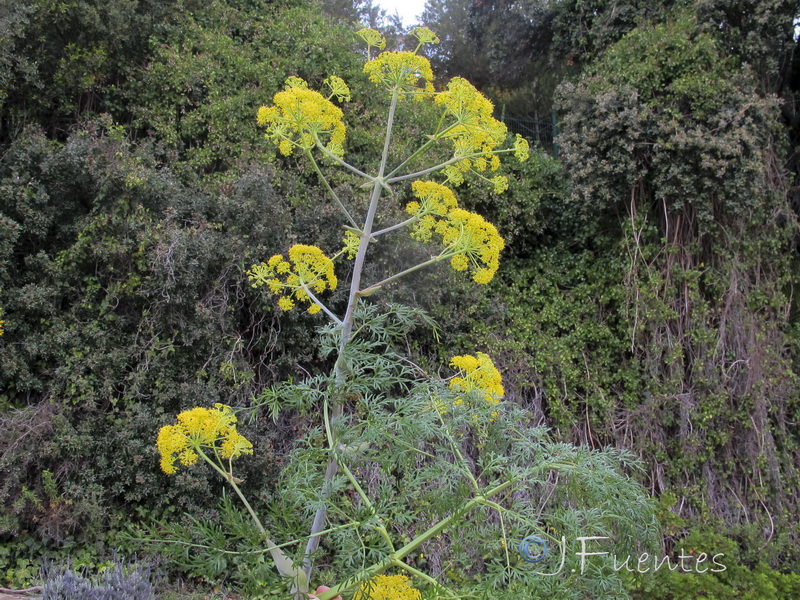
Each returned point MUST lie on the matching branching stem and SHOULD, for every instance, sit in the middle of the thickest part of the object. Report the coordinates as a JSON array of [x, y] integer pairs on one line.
[[379, 184], [330, 189]]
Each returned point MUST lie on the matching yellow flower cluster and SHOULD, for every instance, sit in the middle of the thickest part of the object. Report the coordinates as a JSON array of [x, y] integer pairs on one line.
[[436, 199], [199, 428], [409, 73], [338, 88], [425, 35], [372, 37], [475, 242], [388, 587], [470, 239], [473, 130], [300, 114], [521, 148], [351, 242], [307, 270], [478, 374]]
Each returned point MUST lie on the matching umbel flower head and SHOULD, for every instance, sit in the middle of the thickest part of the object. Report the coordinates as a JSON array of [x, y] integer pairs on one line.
[[302, 116], [388, 587], [406, 71], [199, 428], [435, 199], [471, 127], [474, 243], [477, 374], [307, 271], [471, 241]]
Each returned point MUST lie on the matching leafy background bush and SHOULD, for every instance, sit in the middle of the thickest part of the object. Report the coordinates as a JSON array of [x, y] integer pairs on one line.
[[645, 300]]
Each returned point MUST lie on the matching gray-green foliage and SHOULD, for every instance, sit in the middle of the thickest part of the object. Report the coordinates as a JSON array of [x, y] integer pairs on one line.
[[119, 582], [421, 452]]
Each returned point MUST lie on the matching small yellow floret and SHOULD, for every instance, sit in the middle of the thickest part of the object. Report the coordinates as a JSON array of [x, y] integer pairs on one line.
[[404, 71], [235, 444], [352, 242], [478, 374], [500, 184], [459, 262], [338, 88], [306, 270], [521, 148], [388, 587], [372, 37], [425, 35], [198, 428]]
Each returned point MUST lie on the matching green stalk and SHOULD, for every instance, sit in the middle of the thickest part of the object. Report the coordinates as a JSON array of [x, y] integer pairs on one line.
[[396, 557], [424, 576], [438, 167], [392, 179], [230, 479], [324, 308], [457, 452], [347, 323], [330, 189], [376, 286], [354, 481], [282, 562], [241, 552], [398, 226], [338, 160], [434, 138]]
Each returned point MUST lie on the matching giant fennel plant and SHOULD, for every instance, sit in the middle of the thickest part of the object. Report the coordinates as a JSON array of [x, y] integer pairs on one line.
[[412, 484]]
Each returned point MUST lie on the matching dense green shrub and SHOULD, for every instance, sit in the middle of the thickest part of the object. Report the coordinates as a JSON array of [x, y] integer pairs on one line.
[[687, 229], [123, 281], [128, 304]]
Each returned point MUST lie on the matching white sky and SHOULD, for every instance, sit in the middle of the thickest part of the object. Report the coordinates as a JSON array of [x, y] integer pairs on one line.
[[409, 10]]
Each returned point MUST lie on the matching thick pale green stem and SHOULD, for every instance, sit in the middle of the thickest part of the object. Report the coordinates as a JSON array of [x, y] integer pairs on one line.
[[347, 324], [394, 558]]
